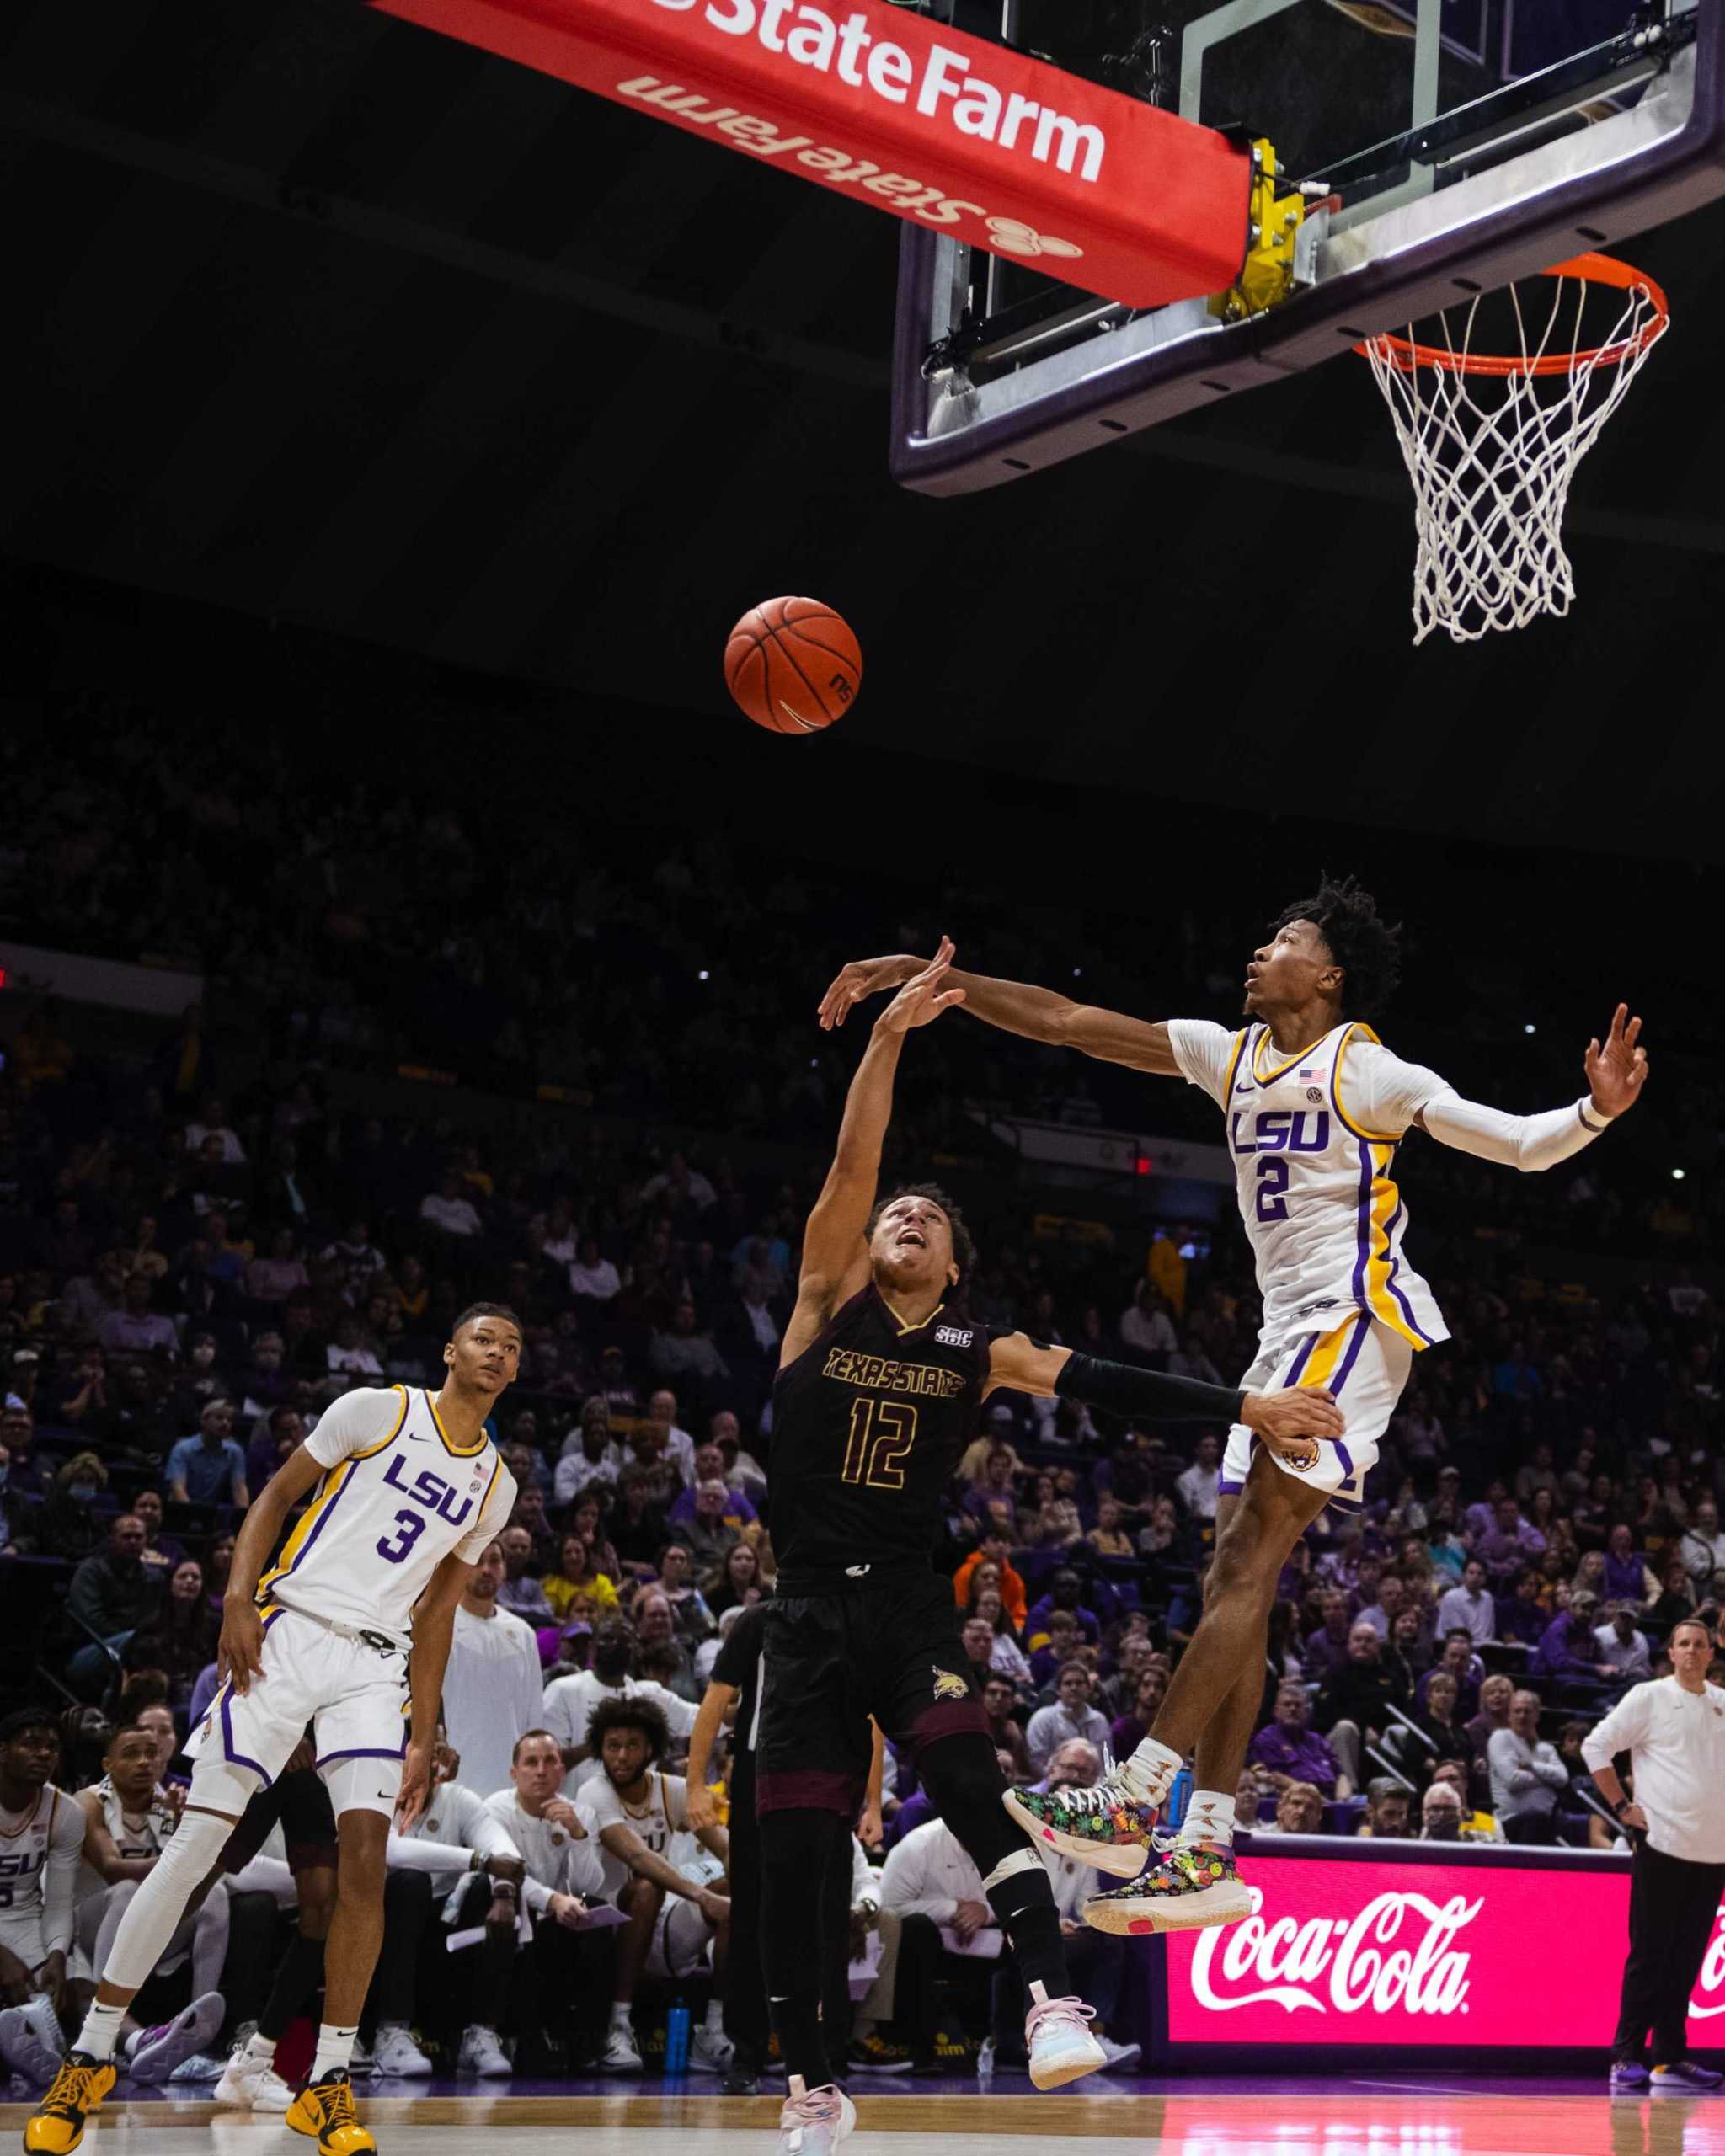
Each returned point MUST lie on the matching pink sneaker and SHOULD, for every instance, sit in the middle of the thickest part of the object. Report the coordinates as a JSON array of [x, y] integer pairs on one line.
[[815, 2120], [1060, 2046]]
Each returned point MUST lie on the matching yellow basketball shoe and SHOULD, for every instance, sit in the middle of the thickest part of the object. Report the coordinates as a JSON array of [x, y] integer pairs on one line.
[[77, 2091], [324, 2110]]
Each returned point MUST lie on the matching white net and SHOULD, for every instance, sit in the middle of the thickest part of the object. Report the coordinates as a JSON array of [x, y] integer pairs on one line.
[[1491, 443]]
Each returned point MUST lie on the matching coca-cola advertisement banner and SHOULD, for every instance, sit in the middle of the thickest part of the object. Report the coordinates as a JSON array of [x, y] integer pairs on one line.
[[1410, 1954]]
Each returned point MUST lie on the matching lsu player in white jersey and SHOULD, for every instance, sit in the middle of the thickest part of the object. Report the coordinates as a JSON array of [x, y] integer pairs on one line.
[[1315, 1107], [41, 1836], [348, 1630]]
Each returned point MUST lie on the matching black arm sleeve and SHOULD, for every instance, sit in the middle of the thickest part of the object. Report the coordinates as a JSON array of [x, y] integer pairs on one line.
[[1123, 1390]]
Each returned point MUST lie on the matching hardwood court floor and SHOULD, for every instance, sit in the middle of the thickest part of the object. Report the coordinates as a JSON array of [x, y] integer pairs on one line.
[[1388, 2115]]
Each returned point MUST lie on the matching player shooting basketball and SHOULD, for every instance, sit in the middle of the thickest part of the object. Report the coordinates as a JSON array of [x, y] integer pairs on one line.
[[880, 1379], [1315, 1107]]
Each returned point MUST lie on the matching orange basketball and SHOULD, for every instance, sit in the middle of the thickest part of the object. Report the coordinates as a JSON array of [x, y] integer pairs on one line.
[[793, 665]]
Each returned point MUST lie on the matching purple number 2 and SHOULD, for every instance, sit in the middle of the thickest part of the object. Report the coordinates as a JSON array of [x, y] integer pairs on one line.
[[1272, 1182], [412, 1526]]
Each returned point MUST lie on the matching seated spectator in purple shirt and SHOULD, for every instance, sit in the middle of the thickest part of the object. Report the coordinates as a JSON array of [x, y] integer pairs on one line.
[[1510, 1542], [1568, 1647], [1519, 1616], [1625, 1576], [1128, 1731], [709, 1467], [1064, 1590], [1326, 1649], [1062, 1643], [1289, 1750]]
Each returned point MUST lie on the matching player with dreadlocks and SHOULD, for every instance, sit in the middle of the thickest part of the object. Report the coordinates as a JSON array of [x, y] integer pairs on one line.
[[1315, 1107]]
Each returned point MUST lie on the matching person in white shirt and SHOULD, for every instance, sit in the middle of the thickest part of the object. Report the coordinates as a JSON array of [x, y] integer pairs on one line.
[[1674, 1731], [559, 1975], [676, 1918], [679, 1446], [458, 1860], [1526, 1774], [1469, 1604], [1702, 1548], [1199, 1487], [1070, 1716], [589, 1454], [1145, 1326], [1623, 1645], [42, 1833], [593, 1276], [493, 1689], [445, 1208], [569, 1701]]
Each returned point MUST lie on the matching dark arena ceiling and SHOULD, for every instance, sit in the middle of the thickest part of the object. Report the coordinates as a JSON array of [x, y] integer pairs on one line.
[[315, 317]]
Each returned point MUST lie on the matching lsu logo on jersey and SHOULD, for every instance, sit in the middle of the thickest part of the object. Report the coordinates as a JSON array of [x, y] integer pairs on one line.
[[430, 1489], [948, 1687], [953, 1336], [1279, 1130]]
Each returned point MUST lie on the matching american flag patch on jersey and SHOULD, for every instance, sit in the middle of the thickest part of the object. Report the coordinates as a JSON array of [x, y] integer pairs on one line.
[[1311, 1070]]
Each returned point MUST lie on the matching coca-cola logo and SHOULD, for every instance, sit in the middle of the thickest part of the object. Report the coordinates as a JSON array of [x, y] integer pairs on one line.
[[1379, 1959], [1710, 1983]]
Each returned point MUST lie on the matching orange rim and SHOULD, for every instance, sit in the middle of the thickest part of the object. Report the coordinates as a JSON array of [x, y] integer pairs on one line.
[[1400, 352]]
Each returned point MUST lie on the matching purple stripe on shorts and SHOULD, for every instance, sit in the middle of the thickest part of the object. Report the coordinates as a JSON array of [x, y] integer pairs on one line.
[[1362, 1327], [1346, 1459], [238, 1758], [1228, 1489], [365, 1752], [1300, 1362]]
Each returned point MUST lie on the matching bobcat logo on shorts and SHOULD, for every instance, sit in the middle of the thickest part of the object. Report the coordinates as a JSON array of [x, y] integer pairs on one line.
[[948, 1687]]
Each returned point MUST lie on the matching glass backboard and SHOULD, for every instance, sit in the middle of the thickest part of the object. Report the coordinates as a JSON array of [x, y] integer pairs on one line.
[[1437, 148]]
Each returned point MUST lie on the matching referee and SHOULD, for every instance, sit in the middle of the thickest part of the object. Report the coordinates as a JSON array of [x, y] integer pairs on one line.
[[1674, 1731]]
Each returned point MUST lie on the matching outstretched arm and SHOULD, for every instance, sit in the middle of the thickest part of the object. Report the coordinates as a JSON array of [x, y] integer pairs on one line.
[[1287, 1421], [1016, 1008], [835, 1256], [1616, 1075]]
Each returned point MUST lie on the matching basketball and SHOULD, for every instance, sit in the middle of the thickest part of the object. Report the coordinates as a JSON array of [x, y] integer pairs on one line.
[[793, 665]]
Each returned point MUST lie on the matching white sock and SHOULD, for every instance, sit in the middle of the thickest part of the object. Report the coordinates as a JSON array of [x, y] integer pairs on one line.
[[620, 2010], [260, 2046], [335, 2050], [1150, 1773], [1209, 1817], [100, 2032], [715, 2016]]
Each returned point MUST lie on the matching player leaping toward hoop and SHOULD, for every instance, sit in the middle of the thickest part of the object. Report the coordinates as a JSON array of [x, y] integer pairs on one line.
[[1315, 1107], [880, 1379], [349, 1631]]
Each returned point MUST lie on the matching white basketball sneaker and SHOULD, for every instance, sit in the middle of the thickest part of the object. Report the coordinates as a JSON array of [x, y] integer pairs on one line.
[[482, 2053], [252, 2083], [1059, 2043], [398, 2056], [620, 2055], [815, 2120]]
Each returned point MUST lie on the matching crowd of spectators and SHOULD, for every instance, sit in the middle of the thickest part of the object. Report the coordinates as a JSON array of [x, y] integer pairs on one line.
[[208, 1234]]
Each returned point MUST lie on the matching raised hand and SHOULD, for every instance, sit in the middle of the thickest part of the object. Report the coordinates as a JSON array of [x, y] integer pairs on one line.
[[921, 999], [1616, 1072], [859, 980]]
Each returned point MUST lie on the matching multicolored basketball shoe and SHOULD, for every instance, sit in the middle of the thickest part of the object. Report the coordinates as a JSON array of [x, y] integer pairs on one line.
[[1105, 1826], [1188, 1891]]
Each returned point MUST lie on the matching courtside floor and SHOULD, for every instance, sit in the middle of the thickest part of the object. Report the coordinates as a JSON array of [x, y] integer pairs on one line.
[[1388, 2113]]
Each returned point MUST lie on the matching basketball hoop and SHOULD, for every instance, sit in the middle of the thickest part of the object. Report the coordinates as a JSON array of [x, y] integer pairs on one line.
[[1491, 467]]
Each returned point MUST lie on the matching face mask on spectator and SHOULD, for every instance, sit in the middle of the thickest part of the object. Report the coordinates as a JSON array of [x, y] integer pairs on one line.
[[81, 1493]]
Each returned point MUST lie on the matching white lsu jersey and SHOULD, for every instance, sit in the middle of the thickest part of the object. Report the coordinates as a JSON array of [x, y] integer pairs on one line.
[[1313, 1138], [39, 1850], [134, 1836], [397, 1497]]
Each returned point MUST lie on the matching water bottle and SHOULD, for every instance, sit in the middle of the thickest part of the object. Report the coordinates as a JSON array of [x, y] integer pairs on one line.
[[676, 2039], [1178, 1797]]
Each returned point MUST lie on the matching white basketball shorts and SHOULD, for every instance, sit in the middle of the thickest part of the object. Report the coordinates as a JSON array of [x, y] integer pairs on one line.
[[355, 1698], [21, 1934], [1365, 1365]]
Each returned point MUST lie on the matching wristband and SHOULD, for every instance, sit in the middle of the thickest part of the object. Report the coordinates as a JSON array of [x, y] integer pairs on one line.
[[1581, 1109], [506, 1887]]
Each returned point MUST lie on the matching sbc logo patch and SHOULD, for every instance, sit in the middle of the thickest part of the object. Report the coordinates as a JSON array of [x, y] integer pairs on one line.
[[948, 1687], [953, 1336]]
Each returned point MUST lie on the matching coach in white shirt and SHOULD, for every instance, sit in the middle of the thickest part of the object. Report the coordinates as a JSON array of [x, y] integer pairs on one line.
[[493, 1689], [1674, 1731]]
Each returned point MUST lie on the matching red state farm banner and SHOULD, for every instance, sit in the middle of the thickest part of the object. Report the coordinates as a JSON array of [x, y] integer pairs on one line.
[[1000, 149]]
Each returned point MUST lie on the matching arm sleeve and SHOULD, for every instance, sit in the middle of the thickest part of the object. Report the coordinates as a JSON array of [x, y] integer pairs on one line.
[[1384, 1095], [1123, 1389], [412, 1853], [1621, 1731], [494, 1508], [65, 1845], [358, 1419], [1204, 1051]]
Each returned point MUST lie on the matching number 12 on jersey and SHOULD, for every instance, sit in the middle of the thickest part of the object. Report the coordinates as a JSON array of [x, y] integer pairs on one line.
[[882, 1432]]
